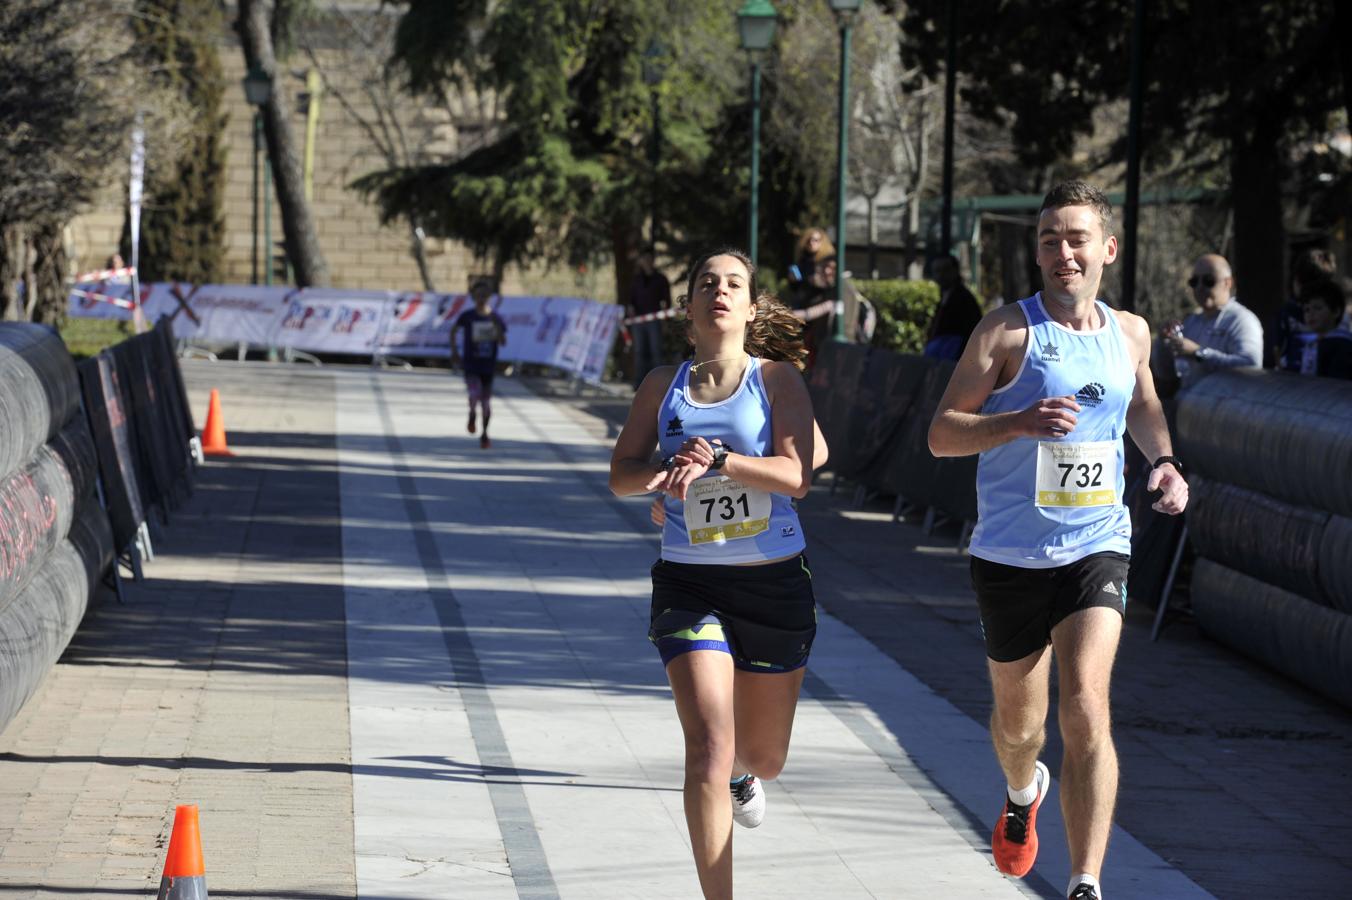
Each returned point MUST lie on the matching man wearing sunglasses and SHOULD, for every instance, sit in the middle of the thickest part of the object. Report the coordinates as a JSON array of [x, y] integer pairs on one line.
[[1224, 335]]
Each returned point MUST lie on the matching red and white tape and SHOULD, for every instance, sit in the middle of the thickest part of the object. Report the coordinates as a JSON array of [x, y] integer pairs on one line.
[[815, 311], [103, 298], [105, 275], [653, 317]]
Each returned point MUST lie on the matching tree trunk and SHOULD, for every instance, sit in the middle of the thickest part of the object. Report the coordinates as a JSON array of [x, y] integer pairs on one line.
[[49, 268], [30, 281], [11, 264], [1259, 258], [302, 244], [419, 250]]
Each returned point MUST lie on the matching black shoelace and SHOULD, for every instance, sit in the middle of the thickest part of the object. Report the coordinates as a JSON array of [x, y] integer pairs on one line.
[[1085, 892], [1016, 822], [743, 792]]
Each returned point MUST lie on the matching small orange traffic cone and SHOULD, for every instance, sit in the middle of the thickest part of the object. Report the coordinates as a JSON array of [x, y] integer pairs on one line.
[[185, 877], [213, 435]]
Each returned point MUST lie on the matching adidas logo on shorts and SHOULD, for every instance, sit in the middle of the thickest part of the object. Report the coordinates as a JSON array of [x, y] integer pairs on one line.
[[1110, 588]]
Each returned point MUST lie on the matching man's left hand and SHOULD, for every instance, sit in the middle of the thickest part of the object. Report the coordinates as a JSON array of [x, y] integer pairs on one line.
[[1173, 489]]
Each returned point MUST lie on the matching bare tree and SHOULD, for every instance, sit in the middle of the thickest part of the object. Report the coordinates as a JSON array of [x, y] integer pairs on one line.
[[258, 22], [399, 128]]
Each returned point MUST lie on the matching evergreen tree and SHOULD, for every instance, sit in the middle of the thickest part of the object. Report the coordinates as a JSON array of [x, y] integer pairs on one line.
[[1230, 92], [182, 231]]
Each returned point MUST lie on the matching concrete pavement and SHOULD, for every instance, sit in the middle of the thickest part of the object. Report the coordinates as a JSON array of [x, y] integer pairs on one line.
[[388, 664]]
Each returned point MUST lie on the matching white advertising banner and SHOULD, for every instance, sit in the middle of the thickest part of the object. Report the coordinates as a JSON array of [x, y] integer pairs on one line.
[[420, 324], [329, 321], [219, 313], [567, 333]]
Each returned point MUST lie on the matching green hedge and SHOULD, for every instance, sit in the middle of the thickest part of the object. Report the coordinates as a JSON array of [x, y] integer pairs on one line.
[[905, 309], [86, 337]]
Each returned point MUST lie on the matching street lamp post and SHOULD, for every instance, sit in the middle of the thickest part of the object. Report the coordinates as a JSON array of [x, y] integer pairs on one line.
[[654, 68], [258, 91], [756, 26], [844, 10]]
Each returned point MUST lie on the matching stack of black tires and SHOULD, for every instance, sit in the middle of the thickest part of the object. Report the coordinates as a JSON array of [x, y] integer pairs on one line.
[[56, 542], [86, 454], [1271, 520]]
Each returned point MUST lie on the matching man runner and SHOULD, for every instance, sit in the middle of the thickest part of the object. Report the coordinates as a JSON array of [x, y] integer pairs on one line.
[[1044, 392]]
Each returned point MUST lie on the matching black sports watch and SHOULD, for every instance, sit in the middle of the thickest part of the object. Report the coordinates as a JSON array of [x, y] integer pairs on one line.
[[721, 452], [1172, 460]]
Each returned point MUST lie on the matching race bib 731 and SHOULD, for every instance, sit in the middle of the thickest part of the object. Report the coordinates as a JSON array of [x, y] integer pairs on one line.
[[719, 509]]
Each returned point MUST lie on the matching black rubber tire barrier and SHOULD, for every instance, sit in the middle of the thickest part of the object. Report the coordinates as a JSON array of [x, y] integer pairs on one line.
[[37, 506], [91, 534], [1306, 641], [1335, 563], [1284, 435], [36, 626], [1275, 542], [39, 391]]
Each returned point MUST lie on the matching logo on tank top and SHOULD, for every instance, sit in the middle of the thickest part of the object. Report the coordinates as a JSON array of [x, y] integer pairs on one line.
[[675, 427], [1091, 394], [1050, 353]]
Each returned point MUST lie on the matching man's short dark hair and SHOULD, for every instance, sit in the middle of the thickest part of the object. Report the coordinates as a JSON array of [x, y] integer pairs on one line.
[[1079, 193], [1325, 291]]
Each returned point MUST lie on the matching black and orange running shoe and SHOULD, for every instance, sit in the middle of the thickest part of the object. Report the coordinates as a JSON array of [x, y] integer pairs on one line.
[[1014, 842]]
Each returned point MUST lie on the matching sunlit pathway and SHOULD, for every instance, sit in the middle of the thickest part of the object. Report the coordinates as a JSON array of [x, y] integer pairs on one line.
[[512, 734]]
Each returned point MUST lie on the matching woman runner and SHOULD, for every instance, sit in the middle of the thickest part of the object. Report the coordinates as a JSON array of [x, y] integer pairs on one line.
[[733, 614]]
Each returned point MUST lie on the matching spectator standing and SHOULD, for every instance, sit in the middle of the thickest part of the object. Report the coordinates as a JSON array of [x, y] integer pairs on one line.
[[1311, 266], [1327, 346], [650, 293], [958, 313], [805, 273], [1224, 335]]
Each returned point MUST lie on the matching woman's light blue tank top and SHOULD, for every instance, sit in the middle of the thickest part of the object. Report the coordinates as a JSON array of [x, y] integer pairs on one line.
[[1022, 521], [743, 423]]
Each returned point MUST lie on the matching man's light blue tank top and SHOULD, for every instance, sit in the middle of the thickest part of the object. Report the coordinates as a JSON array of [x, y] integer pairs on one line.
[[1096, 368], [743, 423]]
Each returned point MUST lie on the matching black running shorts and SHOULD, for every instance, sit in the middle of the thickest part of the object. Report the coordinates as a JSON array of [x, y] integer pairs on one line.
[[1020, 607], [764, 616]]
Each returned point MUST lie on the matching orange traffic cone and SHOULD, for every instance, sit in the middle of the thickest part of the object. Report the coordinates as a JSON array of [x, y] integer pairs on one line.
[[213, 435], [184, 876]]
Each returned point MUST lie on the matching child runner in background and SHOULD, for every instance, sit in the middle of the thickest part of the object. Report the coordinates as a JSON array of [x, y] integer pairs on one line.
[[481, 332]]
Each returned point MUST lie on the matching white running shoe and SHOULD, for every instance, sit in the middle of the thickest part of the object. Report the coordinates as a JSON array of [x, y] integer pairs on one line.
[[748, 802]]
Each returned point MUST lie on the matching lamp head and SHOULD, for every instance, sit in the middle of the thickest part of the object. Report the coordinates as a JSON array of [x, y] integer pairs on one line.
[[756, 24], [257, 86]]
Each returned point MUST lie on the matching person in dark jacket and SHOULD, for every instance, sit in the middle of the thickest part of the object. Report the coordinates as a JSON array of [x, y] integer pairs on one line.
[[958, 312]]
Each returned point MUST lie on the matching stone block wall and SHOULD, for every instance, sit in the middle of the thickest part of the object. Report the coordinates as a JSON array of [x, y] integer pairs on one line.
[[361, 252]]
